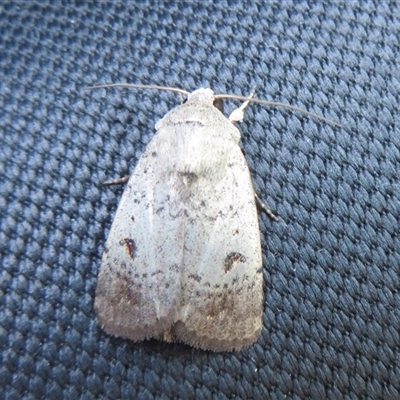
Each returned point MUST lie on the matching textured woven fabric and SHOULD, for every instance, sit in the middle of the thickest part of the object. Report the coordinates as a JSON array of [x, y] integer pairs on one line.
[[331, 264]]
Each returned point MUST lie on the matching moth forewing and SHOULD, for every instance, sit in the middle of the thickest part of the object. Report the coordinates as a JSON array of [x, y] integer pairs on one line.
[[183, 257]]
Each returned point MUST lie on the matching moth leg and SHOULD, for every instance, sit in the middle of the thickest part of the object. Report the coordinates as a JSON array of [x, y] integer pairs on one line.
[[238, 114], [117, 181], [263, 207]]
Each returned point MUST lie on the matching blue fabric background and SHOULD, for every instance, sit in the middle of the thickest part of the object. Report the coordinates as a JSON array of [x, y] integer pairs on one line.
[[331, 265]]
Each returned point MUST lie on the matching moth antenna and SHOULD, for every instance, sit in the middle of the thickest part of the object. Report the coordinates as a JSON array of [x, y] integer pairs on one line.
[[138, 86], [277, 104], [218, 96]]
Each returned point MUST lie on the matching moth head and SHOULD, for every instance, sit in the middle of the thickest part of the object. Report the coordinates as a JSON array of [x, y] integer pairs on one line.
[[201, 96], [206, 96]]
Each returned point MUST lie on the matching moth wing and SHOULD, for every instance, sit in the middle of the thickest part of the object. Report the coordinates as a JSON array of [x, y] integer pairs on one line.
[[183, 257], [222, 282], [139, 284]]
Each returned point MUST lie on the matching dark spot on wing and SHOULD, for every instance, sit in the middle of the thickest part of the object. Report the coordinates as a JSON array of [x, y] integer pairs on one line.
[[130, 246], [174, 267], [222, 303], [188, 178], [125, 291], [197, 278], [232, 258]]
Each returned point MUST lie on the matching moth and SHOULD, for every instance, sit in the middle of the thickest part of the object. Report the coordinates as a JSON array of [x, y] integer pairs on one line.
[[183, 259]]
